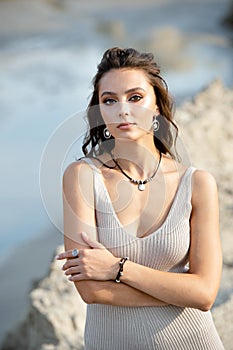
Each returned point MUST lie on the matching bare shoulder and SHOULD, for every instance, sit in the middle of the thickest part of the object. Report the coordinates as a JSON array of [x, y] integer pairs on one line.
[[204, 186], [203, 179], [78, 173], [78, 167]]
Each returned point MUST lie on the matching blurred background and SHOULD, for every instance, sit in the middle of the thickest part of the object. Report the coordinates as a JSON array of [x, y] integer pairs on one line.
[[49, 51]]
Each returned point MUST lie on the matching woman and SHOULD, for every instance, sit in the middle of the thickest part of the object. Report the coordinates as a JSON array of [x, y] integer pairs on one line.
[[134, 214]]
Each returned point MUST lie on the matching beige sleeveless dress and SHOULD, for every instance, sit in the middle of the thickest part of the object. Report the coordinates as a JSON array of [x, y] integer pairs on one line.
[[167, 249]]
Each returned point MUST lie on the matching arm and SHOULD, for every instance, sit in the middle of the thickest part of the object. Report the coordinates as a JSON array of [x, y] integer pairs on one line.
[[100, 291], [78, 204], [198, 288]]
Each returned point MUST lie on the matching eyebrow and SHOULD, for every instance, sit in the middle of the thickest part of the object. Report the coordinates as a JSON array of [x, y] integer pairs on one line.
[[126, 92]]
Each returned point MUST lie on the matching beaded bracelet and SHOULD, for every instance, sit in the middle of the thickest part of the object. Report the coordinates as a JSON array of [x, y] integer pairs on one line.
[[120, 272]]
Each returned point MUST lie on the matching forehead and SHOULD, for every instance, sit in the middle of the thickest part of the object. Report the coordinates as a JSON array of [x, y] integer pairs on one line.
[[124, 78]]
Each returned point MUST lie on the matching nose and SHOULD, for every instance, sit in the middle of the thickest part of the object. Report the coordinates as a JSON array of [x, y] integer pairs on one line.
[[123, 109]]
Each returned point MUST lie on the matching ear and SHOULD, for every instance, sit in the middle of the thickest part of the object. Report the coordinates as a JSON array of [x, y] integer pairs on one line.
[[157, 111]]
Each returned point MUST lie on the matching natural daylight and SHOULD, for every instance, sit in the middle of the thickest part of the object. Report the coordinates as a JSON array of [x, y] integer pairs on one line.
[[116, 193]]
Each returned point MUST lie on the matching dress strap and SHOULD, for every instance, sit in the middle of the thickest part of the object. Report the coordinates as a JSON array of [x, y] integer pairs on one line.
[[189, 174]]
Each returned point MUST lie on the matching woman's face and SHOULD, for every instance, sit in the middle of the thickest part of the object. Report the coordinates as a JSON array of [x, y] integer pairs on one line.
[[127, 103]]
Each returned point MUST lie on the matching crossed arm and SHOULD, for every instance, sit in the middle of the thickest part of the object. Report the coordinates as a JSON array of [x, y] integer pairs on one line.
[[95, 269], [98, 290]]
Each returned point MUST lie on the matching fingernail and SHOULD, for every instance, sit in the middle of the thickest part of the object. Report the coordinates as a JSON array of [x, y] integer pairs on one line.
[[70, 278], [57, 257], [84, 234]]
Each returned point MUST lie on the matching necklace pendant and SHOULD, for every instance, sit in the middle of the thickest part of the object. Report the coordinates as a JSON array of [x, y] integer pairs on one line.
[[140, 183], [141, 186]]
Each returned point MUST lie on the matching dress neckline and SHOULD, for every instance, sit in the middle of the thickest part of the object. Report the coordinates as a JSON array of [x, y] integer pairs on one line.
[[166, 219]]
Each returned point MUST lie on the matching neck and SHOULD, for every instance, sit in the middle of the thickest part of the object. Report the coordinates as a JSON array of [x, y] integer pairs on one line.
[[139, 161]]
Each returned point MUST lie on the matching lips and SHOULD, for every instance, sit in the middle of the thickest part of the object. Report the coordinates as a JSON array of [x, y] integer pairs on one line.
[[126, 125]]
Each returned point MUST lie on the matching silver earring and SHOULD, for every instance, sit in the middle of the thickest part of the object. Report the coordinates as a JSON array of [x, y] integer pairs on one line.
[[107, 133], [155, 124]]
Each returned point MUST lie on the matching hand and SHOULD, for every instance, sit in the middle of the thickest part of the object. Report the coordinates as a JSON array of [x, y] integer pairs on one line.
[[93, 263]]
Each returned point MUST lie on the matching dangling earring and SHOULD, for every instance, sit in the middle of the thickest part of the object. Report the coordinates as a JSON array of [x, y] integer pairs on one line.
[[107, 133], [155, 124]]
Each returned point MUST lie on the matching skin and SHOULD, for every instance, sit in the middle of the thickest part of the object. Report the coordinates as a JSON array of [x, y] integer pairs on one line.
[[126, 96]]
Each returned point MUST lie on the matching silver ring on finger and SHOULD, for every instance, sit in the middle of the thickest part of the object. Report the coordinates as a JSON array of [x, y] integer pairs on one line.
[[75, 253]]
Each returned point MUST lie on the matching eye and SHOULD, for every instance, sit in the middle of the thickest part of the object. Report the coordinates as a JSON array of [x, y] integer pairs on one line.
[[109, 101], [135, 98]]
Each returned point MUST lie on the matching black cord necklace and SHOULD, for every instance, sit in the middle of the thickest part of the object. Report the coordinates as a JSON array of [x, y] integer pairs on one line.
[[140, 183]]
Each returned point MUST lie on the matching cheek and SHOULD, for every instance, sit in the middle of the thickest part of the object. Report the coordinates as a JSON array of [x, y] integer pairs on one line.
[[108, 114], [143, 115], [104, 113], [146, 121], [150, 102]]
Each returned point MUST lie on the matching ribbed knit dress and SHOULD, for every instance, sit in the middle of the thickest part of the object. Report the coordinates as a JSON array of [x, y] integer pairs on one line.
[[167, 249]]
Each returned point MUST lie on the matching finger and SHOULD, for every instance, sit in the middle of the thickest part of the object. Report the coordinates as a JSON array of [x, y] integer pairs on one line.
[[91, 242], [69, 254], [61, 256], [72, 271], [75, 253], [70, 263], [74, 278]]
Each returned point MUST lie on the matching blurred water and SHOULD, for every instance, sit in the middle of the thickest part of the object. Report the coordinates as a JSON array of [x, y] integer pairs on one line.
[[39, 91], [46, 77]]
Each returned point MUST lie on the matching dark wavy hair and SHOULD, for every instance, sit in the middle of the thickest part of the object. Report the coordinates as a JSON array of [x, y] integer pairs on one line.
[[116, 58]]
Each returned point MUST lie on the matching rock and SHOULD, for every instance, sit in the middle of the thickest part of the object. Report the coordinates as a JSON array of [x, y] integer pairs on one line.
[[206, 127], [225, 329], [55, 319]]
